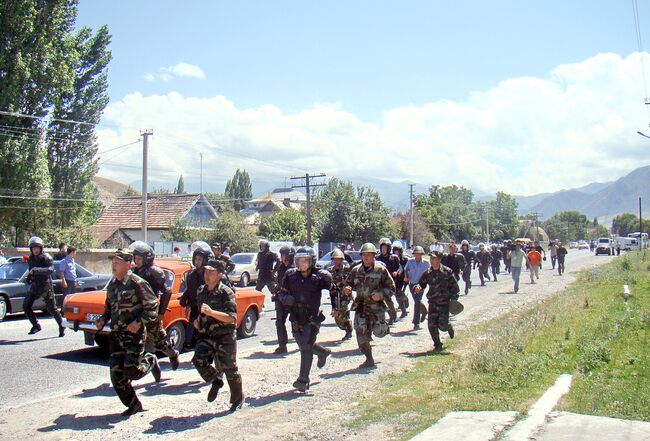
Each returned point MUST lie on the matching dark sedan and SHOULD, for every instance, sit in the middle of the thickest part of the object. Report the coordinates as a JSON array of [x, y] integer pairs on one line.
[[13, 287]]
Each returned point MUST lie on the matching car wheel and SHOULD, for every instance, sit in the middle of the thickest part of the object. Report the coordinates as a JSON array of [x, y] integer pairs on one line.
[[247, 327], [176, 336], [244, 280], [3, 308], [102, 342]]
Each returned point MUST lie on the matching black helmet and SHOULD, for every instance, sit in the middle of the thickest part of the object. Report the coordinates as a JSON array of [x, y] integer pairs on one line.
[[264, 245], [140, 248], [284, 250], [203, 249], [306, 252]]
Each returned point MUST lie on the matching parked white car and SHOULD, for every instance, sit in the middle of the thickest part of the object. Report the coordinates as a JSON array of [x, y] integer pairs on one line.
[[244, 273]]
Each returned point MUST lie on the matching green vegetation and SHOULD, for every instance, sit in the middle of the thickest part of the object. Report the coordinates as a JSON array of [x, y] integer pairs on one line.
[[508, 362], [288, 224], [626, 223]]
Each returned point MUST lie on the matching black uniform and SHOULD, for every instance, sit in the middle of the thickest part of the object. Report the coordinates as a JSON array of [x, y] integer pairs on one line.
[[455, 262], [281, 312], [470, 257], [40, 285], [193, 282], [266, 261], [302, 295], [505, 254], [496, 263], [483, 260], [400, 287], [393, 266]]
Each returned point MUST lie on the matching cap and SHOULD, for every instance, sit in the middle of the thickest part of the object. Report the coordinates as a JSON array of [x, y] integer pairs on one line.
[[437, 254], [122, 254], [216, 245], [215, 265]]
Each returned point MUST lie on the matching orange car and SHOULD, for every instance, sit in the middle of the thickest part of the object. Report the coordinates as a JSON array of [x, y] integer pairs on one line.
[[83, 309]]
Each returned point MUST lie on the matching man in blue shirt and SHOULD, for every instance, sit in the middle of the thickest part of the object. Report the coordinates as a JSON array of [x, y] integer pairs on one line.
[[68, 271], [414, 269]]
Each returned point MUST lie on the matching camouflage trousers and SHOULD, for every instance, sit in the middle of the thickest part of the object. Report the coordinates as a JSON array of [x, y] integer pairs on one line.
[[220, 350], [402, 299], [47, 293], [156, 339], [128, 362], [342, 317], [367, 323], [438, 320]]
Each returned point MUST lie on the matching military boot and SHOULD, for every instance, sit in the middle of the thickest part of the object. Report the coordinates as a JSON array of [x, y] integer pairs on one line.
[[282, 349], [451, 332], [236, 393], [301, 385], [36, 328], [322, 354], [61, 331], [155, 370], [134, 408], [214, 389], [348, 335], [173, 360], [366, 350]]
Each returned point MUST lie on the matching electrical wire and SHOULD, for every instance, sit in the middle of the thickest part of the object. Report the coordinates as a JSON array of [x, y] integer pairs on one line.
[[639, 42], [24, 115], [118, 147]]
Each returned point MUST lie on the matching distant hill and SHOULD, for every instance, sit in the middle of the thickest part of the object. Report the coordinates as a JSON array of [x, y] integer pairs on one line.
[[108, 190], [601, 200]]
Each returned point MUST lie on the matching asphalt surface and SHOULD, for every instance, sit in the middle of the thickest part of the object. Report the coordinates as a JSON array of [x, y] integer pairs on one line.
[[37, 366]]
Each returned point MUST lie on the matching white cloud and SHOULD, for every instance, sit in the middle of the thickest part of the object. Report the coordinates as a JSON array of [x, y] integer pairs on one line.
[[524, 136], [178, 70]]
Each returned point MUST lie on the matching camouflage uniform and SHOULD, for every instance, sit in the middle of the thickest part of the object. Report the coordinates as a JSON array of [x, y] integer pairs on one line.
[[129, 300], [340, 301], [156, 335], [40, 285], [369, 314], [442, 287], [216, 341]]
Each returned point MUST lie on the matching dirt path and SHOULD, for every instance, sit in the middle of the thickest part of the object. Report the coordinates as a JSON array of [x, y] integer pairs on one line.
[[177, 407]]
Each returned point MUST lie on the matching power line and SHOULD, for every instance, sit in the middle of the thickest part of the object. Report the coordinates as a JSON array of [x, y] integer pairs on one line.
[[118, 147], [45, 198], [639, 42], [24, 115], [17, 207]]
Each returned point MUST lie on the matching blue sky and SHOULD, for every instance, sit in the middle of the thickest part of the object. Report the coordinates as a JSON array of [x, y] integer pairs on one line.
[[324, 86]]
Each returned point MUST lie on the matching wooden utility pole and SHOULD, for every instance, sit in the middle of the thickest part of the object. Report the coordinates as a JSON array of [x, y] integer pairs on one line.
[[145, 157], [307, 186], [412, 220]]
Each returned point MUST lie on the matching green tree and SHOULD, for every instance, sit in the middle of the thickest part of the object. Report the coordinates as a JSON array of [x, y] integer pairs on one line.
[[130, 191], [180, 187], [625, 223], [239, 188], [450, 212], [288, 224], [503, 216], [567, 226]]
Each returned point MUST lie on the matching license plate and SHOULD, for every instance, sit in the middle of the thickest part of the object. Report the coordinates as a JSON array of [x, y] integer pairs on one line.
[[93, 317]]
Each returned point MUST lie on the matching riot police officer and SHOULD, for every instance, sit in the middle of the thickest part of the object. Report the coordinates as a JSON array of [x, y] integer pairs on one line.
[[201, 254], [266, 260], [400, 285], [143, 256], [39, 279], [470, 258], [301, 293], [281, 312]]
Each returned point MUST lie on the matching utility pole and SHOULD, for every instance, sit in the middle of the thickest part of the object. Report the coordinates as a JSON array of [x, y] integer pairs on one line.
[[487, 224], [412, 220], [307, 186], [201, 176], [145, 157], [536, 215], [640, 227]]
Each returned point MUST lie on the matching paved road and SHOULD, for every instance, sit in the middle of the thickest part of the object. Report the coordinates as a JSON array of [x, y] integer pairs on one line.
[[43, 365]]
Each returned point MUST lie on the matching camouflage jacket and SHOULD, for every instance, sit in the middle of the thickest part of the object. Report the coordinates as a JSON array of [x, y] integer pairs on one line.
[[368, 281], [221, 299], [130, 300], [155, 277], [339, 280], [442, 285]]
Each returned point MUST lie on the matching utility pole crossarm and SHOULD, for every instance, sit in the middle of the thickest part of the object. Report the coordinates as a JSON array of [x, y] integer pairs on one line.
[[307, 186]]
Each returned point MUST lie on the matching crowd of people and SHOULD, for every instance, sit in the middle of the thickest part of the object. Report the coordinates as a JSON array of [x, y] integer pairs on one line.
[[375, 288]]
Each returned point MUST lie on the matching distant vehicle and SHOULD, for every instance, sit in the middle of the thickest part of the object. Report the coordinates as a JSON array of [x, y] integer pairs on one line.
[[641, 238], [327, 259], [573, 244], [604, 246], [626, 243], [14, 287], [83, 309], [244, 273], [583, 245]]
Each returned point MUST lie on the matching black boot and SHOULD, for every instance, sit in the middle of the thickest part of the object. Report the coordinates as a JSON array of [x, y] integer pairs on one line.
[[236, 393], [366, 350], [61, 331], [214, 389], [348, 335], [133, 409], [451, 332], [301, 385], [322, 355], [155, 370], [173, 360], [36, 328], [306, 360], [282, 349]]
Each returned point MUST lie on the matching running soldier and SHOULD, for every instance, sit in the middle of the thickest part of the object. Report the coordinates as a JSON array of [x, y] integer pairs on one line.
[[454, 261], [392, 264], [470, 258], [372, 283], [281, 312], [143, 256], [482, 262], [266, 260], [39, 279], [216, 327], [505, 253], [301, 293], [496, 261], [339, 270], [130, 305], [443, 287], [402, 299], [201, 253]]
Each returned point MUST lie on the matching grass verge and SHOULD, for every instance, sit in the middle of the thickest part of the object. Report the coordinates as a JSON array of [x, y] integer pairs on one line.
[[507, 363]]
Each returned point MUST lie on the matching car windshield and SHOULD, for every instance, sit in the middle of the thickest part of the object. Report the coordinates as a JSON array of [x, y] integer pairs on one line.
[[13, 271], [242, 259]]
